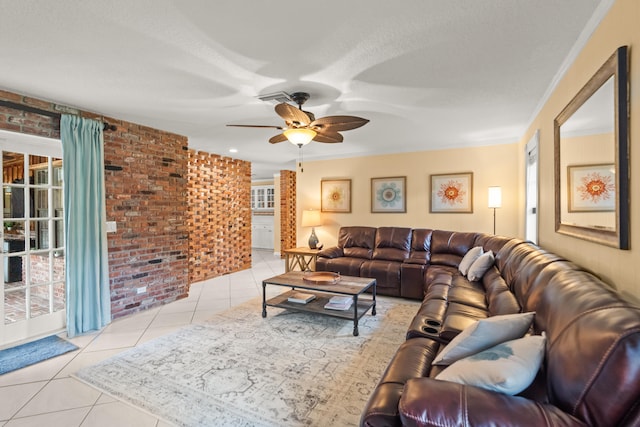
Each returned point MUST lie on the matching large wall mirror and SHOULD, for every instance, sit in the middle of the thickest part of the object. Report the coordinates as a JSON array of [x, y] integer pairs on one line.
[[591, 151]]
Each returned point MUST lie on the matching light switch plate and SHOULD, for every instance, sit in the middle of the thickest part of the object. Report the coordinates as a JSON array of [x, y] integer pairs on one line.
[[112, 226]]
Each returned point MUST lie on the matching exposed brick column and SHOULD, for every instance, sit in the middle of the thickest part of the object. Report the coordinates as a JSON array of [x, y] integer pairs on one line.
[[219, 216], [288, 227]]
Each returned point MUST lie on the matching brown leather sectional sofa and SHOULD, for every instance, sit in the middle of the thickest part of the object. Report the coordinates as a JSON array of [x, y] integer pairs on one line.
[[591, 370]]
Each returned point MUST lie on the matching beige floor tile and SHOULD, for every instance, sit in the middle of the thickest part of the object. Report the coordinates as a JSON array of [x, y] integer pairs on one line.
[[60, 395], [111, 341], [118, 414], [67, 418], [86, 359], [16, 396]]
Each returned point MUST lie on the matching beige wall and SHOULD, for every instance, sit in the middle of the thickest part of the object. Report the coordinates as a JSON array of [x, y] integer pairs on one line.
[[621, 268], [491, 165]]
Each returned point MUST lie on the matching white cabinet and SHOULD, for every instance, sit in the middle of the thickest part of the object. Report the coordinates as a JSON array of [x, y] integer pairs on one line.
[[262, 232], [262, 197]]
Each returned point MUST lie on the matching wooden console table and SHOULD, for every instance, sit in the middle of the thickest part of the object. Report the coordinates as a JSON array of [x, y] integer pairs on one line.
[[302, 258]]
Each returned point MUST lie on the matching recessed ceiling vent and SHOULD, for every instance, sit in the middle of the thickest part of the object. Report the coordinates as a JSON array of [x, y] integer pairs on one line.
[[276, 98]]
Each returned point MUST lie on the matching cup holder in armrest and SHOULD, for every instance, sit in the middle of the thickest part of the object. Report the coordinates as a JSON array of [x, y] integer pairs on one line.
[[433, 323], [429, 330]]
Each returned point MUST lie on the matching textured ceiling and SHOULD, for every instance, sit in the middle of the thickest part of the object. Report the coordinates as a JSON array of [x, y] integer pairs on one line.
[[429, 74]]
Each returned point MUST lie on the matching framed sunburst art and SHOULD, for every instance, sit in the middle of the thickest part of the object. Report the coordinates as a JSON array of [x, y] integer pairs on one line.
[[388, 195], [335, 195], [452, 193], [592, 188]]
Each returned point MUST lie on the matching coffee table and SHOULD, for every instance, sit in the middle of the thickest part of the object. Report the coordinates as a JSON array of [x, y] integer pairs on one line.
[[347, 285]]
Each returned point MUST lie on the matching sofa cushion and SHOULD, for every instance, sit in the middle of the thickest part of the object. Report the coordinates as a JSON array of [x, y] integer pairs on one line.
[[448, 247], [357, 242], [420, 246], [392, 243], [509, 367], [386, 273], [483, 334], [469, 258], [480, 266]]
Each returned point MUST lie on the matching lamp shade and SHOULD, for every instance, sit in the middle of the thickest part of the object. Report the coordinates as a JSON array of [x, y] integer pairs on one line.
[[495, 197], [311, 218], [300, 136]]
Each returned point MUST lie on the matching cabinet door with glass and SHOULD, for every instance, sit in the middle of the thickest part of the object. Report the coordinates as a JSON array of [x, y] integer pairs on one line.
[[262, 197]]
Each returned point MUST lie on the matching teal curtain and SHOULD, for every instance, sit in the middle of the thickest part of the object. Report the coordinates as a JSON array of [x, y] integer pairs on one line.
[[86, 262]]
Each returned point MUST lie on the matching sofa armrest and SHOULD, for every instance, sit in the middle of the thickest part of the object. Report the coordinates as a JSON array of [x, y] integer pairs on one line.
[[431, 402], [333, 252]]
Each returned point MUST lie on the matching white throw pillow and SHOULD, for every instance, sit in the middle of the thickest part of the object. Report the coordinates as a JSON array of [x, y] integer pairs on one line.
[[468, 259], [480, 266], [484, 334], [507, 368]]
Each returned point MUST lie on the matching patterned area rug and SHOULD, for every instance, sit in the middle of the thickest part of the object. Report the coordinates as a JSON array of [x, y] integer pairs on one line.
[[238, 369]]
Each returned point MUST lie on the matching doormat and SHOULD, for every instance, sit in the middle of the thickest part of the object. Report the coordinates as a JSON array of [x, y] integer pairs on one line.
[[33, 352]]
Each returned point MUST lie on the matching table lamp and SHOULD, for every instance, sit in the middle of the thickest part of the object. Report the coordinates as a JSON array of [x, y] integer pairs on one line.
[[311, 218]]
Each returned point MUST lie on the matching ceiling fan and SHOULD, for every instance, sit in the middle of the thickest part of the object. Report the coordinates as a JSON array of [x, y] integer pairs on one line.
[[302, 127]]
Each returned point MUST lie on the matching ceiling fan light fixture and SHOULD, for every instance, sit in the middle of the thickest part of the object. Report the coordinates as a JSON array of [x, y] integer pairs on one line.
[[300, 136]]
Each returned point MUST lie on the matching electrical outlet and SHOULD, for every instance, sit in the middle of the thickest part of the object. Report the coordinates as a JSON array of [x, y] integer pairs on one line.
[[112, 226], [141, 290]]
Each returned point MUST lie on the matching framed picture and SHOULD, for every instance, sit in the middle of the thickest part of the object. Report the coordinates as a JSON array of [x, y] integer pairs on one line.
[[452, 193], [592, 188], [335, 195], [388, 195]]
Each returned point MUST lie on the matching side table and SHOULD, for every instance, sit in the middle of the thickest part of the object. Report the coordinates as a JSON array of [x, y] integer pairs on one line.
[[302, 258]]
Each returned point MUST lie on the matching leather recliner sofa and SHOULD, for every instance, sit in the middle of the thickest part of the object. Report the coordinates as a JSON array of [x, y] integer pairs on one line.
[[591, 370]]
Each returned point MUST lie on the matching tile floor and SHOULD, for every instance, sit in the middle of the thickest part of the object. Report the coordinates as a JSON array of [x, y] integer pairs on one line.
[[45, 395]]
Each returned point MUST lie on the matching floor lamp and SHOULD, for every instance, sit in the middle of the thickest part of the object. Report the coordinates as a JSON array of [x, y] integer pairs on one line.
[[495, 201]]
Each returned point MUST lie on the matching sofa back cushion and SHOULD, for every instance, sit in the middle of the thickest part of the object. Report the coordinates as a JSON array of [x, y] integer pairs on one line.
[[448, 247], [357, 242], [420, 246], [593, 349], [392, 244]]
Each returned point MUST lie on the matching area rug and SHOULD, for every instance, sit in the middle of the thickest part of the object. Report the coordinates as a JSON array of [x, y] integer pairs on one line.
[[33, 352], [238, 369]]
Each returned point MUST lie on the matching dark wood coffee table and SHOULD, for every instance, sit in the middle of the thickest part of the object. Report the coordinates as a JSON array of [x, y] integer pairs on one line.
[[347, 285]]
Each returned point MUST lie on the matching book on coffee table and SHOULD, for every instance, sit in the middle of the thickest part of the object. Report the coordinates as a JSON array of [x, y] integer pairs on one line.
[[341, 303], [300, 297]]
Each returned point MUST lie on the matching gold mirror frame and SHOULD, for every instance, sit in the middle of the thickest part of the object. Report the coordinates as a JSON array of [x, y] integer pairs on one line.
[[616, 66]]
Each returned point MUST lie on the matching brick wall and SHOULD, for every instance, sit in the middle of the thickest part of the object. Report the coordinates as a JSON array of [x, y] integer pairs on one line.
[[219, 215], [146, 187], [288, 238]]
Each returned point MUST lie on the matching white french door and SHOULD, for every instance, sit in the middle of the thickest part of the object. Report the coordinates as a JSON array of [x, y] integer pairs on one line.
[[32, 256]]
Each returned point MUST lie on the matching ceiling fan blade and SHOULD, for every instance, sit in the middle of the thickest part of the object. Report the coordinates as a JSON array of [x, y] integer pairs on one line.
[[257, 126], [277, 138], [292, 114], [328, 136], [339, 123]]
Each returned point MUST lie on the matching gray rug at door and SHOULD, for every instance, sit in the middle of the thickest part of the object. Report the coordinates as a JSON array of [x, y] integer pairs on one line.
[[238, 369]]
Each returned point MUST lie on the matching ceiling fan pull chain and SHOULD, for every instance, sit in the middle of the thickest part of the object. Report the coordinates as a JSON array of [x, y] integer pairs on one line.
[[300, 157]]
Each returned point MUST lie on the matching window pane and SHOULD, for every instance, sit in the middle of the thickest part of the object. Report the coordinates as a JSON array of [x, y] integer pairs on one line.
[[41, 202], [58, 296], [58, 266], [57, 202], [14, 270], [40, 272], [40, 296], [58, 227], [14, 306], [57, 173], [14, 202], [42, 235], [13, 168]]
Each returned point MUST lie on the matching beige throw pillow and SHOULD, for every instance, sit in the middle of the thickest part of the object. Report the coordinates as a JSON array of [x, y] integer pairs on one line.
[[480, 266], [468, 259], [509, 367], [484, 334]]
